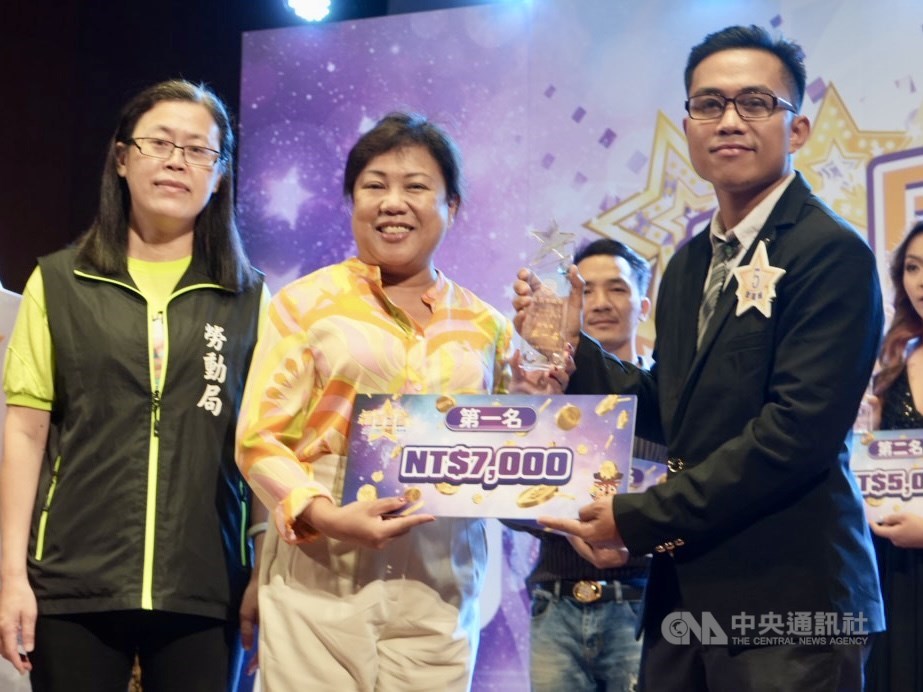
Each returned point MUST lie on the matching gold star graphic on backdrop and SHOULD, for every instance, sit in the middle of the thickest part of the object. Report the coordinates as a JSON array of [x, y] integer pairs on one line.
[[673, 194], [837, 154], [656, 220]]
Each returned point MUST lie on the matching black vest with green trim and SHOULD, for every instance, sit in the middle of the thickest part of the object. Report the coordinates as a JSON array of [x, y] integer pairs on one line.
[[140, 504]]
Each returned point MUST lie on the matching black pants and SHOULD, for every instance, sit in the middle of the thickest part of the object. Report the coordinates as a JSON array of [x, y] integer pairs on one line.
[[94, 652], [694, 667], [668, 667]]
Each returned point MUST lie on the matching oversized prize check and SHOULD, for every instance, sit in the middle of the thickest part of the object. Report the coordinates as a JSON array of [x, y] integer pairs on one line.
[[510, 456], [888, 465]]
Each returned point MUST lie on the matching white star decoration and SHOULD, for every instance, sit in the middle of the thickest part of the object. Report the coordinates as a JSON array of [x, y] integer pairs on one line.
[[841, 174], [756, 283], [557, 245], [286, 196]]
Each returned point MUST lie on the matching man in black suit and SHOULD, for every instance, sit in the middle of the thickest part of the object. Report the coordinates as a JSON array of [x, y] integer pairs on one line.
[[761, 549]]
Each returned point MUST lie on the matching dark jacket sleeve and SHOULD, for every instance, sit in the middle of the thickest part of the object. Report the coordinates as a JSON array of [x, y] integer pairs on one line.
[[600, 372]]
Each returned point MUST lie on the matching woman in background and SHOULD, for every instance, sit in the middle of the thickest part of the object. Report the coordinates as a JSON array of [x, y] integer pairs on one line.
[[895, 662], [124, 517]]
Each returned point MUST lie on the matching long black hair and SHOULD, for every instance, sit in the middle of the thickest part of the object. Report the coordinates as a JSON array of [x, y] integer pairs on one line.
[[216, 239], [906, 323]]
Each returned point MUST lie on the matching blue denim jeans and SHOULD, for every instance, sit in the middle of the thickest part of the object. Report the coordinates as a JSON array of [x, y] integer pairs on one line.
[[583, 647]]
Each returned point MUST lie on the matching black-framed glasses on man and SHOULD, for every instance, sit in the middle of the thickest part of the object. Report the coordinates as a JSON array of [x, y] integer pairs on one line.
[[750, 105], [193, 154]]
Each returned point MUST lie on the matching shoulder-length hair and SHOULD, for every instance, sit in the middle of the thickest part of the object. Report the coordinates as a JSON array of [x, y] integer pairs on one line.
[[216, 240], [906, 324]]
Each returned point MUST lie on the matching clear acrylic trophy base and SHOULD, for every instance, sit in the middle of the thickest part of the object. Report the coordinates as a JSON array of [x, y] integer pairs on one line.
[[542, 333], [542, 345]]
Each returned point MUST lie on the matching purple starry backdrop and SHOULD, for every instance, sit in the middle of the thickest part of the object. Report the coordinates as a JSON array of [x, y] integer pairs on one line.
[[543, 138], [555, 106]]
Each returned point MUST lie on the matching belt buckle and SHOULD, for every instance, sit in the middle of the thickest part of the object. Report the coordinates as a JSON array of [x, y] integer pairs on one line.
[[587, 591], [675, 464]]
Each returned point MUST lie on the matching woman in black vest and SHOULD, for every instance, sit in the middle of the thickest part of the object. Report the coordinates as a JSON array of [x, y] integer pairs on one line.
[[124, 518]]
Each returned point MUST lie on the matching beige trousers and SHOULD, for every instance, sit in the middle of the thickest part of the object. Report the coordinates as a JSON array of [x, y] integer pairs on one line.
[[403, 619]]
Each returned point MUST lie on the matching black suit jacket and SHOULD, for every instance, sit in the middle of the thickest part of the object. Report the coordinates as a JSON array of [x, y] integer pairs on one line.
[[765, 517]]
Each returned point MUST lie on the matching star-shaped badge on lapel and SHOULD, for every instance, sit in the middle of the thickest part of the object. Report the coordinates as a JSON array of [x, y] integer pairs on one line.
[[756, 283]]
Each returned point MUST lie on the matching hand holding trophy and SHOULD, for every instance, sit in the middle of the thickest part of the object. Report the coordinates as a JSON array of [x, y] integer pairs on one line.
[[542, 331]]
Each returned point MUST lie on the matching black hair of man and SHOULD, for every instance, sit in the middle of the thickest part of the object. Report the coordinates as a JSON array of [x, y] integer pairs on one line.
[[754, 37], [640, 269]]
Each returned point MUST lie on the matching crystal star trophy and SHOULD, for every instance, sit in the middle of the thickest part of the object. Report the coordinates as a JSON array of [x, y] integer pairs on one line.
[[542, 343]]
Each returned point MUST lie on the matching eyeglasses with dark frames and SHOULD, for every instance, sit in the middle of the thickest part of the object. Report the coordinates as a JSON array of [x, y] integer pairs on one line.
[[193, 154], [750, 105]]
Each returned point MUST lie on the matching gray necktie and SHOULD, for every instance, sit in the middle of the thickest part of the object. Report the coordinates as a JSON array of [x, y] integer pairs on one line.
[[722, 253]]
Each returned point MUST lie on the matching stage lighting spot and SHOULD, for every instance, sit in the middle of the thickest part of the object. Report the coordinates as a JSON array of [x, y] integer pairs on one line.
[[310, 10]]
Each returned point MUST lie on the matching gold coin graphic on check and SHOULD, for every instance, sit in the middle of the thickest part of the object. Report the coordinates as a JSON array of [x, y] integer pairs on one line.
[[874, 501], [607, 470], [378, 476], [536, 495], [413, 494], [444, 403], [411, 508], [607, 404], [568, 417], [446, 488], [366, 493], [477, 498]]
